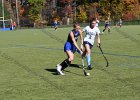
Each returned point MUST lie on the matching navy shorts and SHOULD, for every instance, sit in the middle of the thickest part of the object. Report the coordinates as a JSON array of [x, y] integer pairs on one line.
[[90, 45], [69, 47], [106, 25]]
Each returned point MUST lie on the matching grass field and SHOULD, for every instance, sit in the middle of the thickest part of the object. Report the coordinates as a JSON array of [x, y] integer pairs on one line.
[[28, 59]]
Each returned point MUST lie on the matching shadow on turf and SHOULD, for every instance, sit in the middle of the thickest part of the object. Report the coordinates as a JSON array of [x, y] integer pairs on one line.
[[75, 65], [54, 71]]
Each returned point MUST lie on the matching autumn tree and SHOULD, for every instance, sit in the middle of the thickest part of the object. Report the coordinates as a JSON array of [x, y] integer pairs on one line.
[[132, 9], [67, 10], [35, 10], [82, 14], [83, 10]]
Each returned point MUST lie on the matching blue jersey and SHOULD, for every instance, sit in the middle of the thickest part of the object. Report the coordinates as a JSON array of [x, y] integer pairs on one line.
[[75, 33], [69, 46], [107, 24]]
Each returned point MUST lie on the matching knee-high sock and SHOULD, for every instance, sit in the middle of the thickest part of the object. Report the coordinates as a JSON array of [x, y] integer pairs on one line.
[[108, 30], [88, 59], [65, 64], [104, 30]]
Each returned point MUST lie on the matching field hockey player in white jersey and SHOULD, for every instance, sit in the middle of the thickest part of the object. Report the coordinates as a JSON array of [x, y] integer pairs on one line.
[[91, 32]]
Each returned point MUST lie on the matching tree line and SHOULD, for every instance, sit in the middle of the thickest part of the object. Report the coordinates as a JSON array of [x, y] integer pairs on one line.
[[45, 11]]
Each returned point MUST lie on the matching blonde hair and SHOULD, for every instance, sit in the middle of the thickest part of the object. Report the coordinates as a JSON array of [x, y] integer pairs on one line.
[[75, 25]]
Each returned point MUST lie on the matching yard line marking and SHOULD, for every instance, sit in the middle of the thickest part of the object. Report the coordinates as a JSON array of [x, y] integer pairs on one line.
[[59, 49]]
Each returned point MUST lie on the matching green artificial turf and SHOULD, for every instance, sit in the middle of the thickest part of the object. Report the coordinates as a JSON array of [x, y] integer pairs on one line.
[[28, 59]]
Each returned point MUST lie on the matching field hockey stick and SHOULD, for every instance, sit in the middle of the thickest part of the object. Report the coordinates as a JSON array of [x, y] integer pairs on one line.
[[83, 65], [107, 63], [83, 62], [85, 73]]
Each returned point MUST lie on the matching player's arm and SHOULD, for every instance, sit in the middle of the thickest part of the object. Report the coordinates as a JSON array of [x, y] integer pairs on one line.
[[74, 42], [81, 38], [97, 21]]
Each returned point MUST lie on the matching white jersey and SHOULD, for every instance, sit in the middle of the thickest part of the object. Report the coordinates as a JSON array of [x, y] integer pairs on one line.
[[91, 34]]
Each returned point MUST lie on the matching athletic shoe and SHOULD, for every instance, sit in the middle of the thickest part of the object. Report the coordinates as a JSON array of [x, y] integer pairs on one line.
[[89, 67], [59, 69]]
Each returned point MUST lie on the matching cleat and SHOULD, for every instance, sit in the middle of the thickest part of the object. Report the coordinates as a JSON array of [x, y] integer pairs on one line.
[[59, 69], [89, 67]]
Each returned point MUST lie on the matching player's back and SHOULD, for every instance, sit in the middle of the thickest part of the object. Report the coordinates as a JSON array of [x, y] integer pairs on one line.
[[75, 33]]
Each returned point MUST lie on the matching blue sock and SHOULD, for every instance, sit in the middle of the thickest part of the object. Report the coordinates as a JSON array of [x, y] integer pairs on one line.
[[88, 59]]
